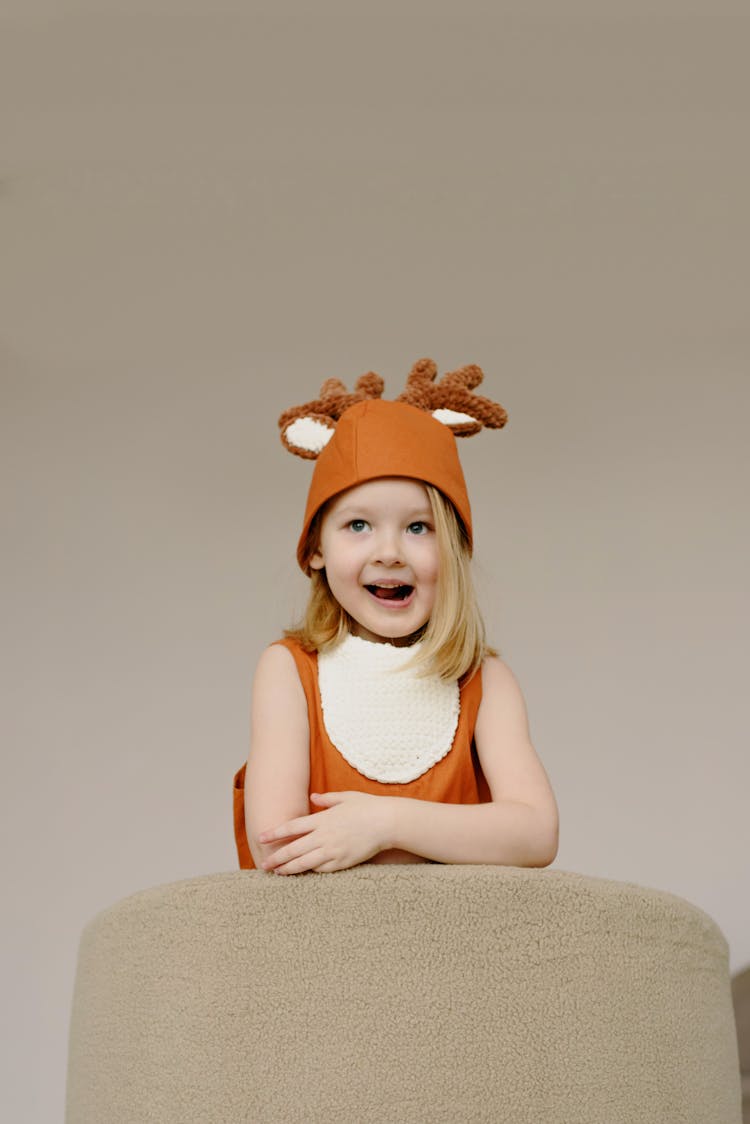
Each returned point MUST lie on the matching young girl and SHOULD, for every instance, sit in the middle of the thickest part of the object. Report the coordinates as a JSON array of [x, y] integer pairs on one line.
[[383, 728]]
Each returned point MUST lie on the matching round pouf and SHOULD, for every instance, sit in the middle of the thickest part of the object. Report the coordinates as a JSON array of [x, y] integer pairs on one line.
[[400, 994]]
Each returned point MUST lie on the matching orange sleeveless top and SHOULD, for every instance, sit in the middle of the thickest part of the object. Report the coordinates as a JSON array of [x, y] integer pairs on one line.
[[456, 779]]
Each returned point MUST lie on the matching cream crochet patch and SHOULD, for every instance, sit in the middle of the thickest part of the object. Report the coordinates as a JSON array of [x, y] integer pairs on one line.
[[388, 724]]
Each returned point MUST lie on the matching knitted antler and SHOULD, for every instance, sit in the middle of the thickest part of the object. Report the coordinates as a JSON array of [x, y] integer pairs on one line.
[[452, 400], [307, 429]]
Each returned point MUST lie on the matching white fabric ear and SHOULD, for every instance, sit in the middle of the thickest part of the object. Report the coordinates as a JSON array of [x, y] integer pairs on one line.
[[450, 417], [308, 434]]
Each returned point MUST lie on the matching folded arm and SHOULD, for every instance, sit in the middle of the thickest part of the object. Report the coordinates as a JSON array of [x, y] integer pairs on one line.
[[519, 827]]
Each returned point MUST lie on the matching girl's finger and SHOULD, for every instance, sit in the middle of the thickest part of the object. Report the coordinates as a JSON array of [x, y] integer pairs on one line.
[[297, 849], [302, 864], [292, 827], [327, 798]]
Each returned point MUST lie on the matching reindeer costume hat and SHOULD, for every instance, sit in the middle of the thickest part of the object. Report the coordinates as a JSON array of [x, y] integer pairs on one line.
[[354, 437]]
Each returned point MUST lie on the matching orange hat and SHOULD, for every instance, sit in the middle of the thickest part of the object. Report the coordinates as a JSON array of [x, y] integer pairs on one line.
[[359, 437]]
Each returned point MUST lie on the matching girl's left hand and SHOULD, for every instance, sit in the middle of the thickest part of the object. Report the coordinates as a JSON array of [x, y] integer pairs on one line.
[[354, 827]]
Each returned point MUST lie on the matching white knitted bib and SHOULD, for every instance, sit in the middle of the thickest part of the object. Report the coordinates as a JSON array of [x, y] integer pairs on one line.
[[390, 725]]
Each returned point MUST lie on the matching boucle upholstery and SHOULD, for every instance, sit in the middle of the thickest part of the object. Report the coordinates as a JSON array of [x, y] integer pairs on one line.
[[397, 994], [741, 998]]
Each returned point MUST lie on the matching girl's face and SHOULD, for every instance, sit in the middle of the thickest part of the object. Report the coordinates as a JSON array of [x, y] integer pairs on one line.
[[379, 550]]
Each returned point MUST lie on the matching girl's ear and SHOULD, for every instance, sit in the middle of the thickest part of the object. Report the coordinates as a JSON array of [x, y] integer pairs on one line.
[[316, 560]]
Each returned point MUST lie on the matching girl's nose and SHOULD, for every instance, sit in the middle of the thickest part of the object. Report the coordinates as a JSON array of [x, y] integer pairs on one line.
[[387, 549]]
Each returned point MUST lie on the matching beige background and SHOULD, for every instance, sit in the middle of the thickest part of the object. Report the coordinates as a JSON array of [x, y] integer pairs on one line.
[[205, 210]]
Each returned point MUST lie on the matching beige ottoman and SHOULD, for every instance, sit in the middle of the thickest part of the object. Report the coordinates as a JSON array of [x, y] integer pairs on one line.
[[396, 994]]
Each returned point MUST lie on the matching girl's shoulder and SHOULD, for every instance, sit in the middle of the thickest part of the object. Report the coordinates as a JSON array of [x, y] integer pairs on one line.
[[497, 673], [284, 664], [275, 661], [294, 644], [499, 681], [278, 685]]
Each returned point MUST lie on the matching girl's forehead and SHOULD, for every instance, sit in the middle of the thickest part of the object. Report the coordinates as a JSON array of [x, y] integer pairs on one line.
[[385, 490]]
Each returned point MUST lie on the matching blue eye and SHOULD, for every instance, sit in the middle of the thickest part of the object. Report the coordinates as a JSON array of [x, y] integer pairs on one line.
[[418, 528], [357, 525]]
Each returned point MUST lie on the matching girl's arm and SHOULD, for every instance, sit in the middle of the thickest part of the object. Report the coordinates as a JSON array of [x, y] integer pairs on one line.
[[278, 766], [519, 827]]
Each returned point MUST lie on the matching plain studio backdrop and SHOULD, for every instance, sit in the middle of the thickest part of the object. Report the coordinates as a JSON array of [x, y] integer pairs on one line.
[[208, 208]]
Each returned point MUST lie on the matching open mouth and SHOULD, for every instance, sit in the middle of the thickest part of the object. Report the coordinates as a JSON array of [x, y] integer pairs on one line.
[[390, 592]]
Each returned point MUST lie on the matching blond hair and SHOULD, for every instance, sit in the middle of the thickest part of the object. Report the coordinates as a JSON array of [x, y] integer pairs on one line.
[[453, 640]]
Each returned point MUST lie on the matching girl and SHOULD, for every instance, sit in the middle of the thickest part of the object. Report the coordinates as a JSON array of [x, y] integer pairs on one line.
[[383, 728]]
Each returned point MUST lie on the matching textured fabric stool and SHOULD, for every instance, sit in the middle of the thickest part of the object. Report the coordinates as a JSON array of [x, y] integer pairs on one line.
[[397, 994]]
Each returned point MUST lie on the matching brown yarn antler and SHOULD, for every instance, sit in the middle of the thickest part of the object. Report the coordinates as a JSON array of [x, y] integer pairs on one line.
[[307, 429], [452, 400]]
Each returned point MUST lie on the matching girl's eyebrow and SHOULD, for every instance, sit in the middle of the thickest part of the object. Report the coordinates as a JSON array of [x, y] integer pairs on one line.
[[417, 514]]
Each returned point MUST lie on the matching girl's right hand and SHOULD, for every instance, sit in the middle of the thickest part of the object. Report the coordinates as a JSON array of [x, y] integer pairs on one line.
[[352, 828]]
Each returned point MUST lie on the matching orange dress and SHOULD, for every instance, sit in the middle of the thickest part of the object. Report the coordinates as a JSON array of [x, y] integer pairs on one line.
[[456, 779]]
